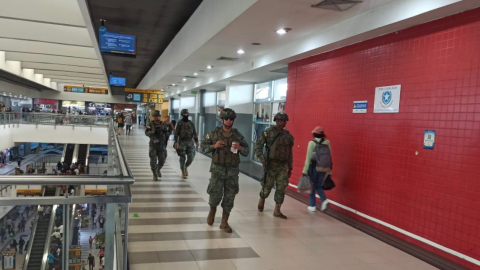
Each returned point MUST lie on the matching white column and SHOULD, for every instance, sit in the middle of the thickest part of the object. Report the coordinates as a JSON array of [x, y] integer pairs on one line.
[[28, 73], [39, 78], [46, 82], [2, 60], [14, 67], [54, 85]]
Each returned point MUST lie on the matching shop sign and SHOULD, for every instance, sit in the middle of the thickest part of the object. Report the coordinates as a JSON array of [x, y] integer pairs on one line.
[[8, 259], [44, 101], [387, 99], [145, 96], [87, 90], [360, 106], [73, 103]]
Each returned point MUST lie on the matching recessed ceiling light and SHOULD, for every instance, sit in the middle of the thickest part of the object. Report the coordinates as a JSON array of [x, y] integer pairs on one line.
[[209, 67], [195, 74], [184, 79], [283, 31], [240, 51]]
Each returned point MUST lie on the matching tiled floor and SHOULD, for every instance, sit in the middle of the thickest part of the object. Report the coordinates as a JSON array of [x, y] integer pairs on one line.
[[168, 227]]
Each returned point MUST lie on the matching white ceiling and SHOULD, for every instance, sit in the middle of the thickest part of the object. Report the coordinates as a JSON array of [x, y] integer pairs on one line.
[[50, 37], [313, 31], [258, 24]]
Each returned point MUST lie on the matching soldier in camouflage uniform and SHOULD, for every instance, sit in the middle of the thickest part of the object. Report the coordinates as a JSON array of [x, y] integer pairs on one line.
[[277, 163], [226, 145], [185, 134], [157, 131]]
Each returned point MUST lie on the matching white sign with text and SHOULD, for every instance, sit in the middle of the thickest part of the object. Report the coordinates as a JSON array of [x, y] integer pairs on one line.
[[387, 99]]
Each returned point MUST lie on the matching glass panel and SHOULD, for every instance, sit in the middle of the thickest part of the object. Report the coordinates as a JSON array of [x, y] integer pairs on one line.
[[221, 96], [258, 129], [263, 91], [263, 112], [277, 107], [280, 89]]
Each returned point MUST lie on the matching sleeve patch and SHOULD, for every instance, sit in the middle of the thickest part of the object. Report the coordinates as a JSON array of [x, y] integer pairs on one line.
[[207, 136]]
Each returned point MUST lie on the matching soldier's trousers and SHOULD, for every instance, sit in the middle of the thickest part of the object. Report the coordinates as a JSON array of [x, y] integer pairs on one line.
[[186, 152], [157, 157], [276, 175], [223, 189]]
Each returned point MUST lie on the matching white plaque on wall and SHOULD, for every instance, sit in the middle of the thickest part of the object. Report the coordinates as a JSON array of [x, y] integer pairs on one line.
[[387, 99]]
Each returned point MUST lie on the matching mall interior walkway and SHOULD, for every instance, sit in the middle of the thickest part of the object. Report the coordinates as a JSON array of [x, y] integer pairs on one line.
[[168, 230]]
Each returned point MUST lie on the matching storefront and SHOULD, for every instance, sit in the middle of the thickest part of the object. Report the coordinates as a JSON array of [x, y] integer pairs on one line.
[[97, 108], [45, 105], [269, 100], [74, 107], [126, 109]]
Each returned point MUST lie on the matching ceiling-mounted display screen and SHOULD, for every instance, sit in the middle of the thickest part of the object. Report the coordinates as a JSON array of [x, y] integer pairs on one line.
[[116, 42], [117, 81]]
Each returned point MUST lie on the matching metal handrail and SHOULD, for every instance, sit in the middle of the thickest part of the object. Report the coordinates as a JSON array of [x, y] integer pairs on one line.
[[32, 237], [65, 180], [49, 232], [50, 118]]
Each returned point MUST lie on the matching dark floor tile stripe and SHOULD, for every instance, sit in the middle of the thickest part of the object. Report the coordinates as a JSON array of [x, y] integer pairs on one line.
[[163, 192], [176, 236], [168, 200], [169, 209]]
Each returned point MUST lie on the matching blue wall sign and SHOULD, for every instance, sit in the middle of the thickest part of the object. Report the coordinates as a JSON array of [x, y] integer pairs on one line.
[[429, 139], [360, 106]]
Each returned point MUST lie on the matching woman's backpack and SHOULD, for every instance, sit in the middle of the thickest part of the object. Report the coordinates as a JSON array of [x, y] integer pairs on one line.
[[322, 157]]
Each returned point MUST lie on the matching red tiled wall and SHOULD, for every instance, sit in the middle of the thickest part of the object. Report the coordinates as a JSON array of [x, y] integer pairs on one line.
[[436, 194]]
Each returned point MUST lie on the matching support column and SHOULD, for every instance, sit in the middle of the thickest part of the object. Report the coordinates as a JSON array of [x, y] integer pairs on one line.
[[2, 60], [110, 235], [14, 67], [201, 113]]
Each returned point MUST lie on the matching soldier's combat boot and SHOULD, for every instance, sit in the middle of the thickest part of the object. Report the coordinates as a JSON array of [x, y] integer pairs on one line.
[[159, 174], [224, 226], [211, 215], [261, 204], [277, 212], [186, 172], [184, 176], [155, 176]]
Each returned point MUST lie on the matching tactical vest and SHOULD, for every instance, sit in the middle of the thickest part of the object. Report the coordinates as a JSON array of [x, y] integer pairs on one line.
[[281, 148], [158, 139], [224, 156], [186, 130]]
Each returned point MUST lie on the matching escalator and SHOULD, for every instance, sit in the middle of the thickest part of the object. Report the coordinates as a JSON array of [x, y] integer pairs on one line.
[[69, 153], [82, 154], [40, 237]]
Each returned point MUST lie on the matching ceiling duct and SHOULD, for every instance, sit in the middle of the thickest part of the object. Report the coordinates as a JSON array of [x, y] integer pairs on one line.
[[224, 58], [281, 70], [338, 5]]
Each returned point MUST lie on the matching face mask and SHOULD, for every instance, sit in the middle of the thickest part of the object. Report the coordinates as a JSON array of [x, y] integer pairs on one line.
[[185, 118]]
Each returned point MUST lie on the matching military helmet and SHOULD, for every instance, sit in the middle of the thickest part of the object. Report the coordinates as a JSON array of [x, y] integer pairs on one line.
[[281, 116], [156, 113], [228, 113], [184, 111]]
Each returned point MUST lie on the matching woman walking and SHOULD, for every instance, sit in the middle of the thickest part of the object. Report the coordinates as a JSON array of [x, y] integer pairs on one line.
[[318, 176]]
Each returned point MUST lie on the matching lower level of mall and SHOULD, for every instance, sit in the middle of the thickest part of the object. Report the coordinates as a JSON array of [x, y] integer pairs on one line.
[[168, 226]]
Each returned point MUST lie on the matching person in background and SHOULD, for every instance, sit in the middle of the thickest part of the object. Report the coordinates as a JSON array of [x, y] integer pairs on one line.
[[19, 160], [59, 166], [128, 122], [121, 123], [90, 240], [91, 261], [21, 244], [185, 140], [309, 169], [144, 119], [51, 260], [157, 132], [14, 244]]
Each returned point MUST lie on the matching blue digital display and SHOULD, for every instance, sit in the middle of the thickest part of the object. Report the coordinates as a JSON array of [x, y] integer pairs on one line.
[[118, 81], [137, 97], [78, 89], [116, 42]]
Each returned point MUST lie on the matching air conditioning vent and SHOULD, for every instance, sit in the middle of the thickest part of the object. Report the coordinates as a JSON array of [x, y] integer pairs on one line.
[[191, 77], [281, 70], [338, 5], [224, 58]]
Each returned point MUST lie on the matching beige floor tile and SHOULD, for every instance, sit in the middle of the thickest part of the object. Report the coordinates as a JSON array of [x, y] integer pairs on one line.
[[145, 266], [216, 265], [202, 244], [146, 246], [231, 243], [178, 266], [250, 264]]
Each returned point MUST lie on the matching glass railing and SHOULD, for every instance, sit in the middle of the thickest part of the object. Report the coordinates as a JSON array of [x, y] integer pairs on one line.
[[54, 119], [111, 201]]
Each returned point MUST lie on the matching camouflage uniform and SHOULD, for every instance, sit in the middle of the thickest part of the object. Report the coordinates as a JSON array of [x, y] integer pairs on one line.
[[224, 168], [157, 149], [278, 163], [185, 135]]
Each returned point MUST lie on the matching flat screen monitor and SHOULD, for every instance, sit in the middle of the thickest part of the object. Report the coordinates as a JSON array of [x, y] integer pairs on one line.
[[118, 81], [116, 42]]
